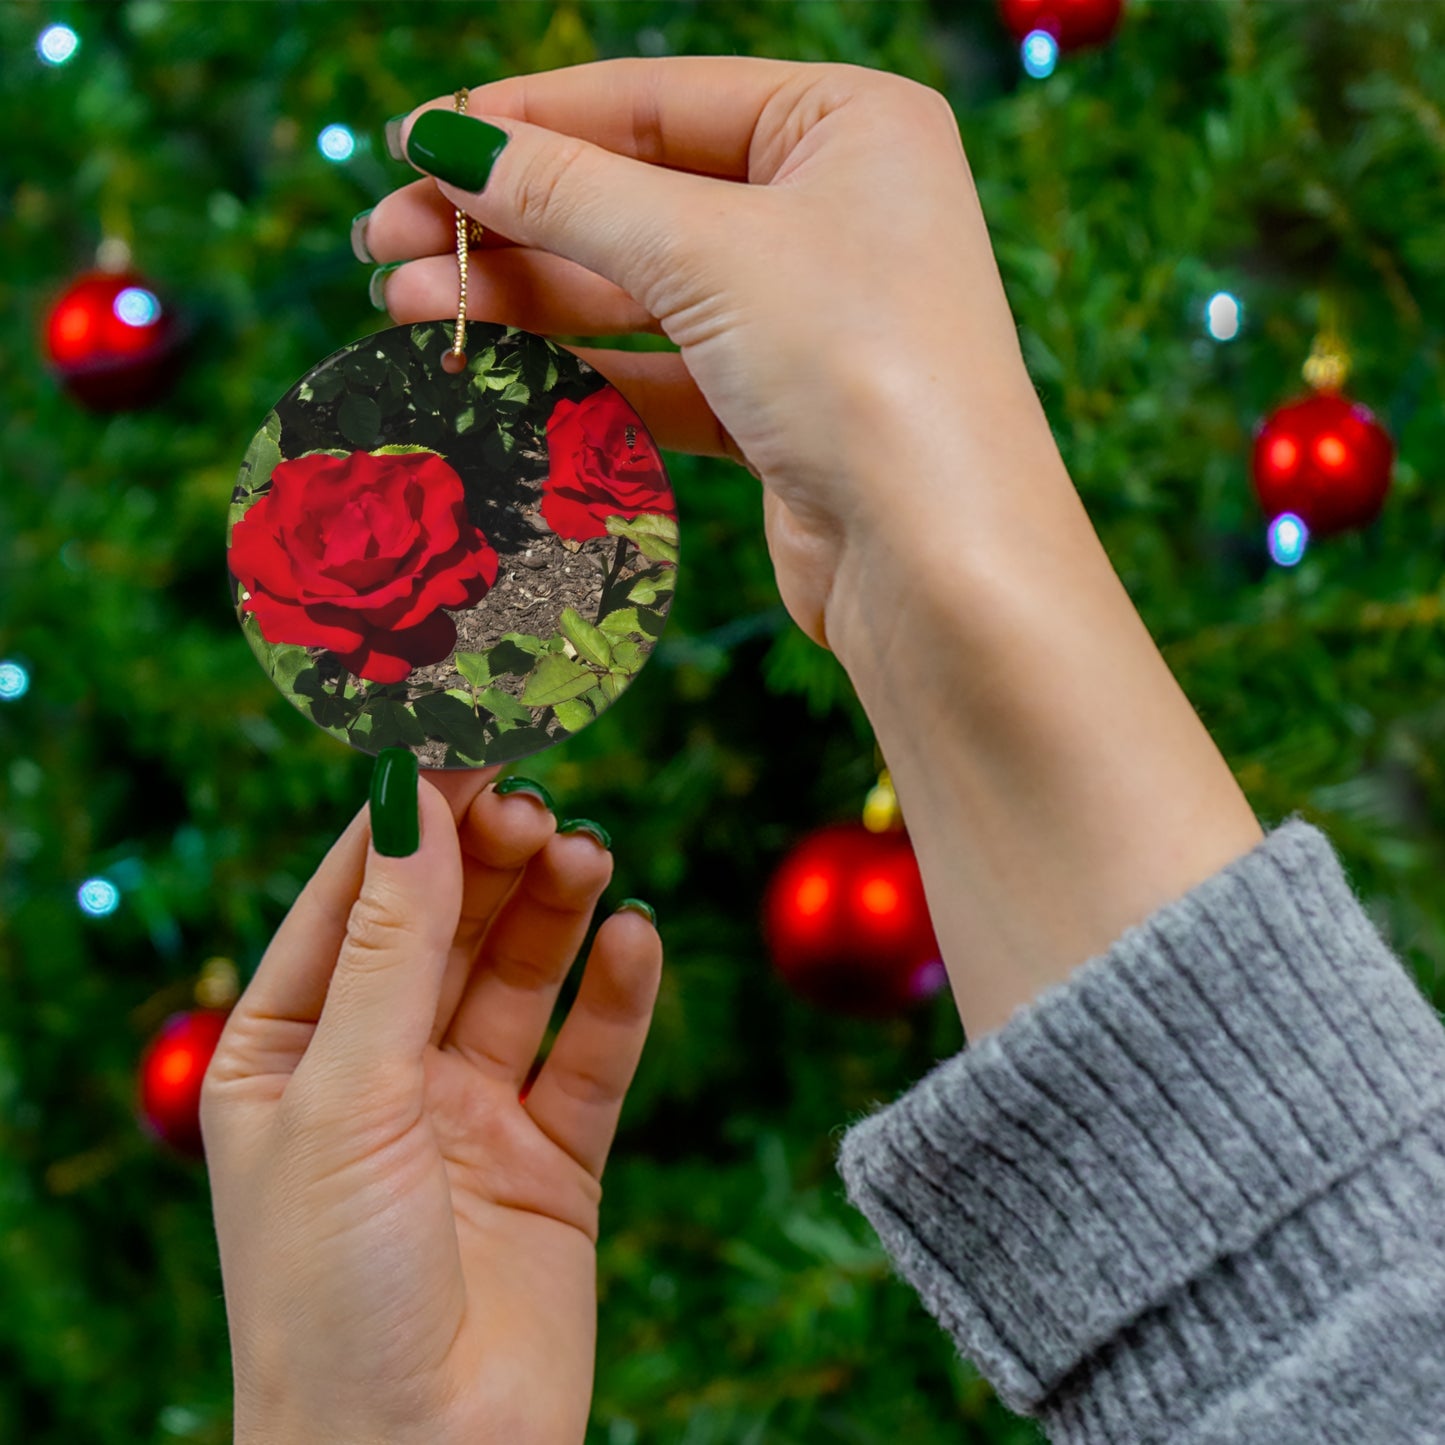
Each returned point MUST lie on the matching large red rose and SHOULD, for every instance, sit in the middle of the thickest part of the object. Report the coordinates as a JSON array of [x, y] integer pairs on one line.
[[600, 464], [359, 554]]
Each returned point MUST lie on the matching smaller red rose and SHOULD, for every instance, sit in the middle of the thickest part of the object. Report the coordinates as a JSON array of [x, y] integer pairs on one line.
[[600, 463], [359, 554]]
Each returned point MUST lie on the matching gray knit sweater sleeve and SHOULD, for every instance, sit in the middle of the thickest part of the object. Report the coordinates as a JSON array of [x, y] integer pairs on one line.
[[1195, 1193]]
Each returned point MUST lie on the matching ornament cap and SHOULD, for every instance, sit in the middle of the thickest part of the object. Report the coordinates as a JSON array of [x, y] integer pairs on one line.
[[1327, 367], [219, 985], [881, 813]]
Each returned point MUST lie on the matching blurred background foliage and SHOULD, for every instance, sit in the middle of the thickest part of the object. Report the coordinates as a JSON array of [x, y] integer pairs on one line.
[[1288, 153]]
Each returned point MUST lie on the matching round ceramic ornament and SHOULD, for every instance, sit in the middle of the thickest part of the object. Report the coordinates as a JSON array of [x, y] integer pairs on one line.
[[469, 553]]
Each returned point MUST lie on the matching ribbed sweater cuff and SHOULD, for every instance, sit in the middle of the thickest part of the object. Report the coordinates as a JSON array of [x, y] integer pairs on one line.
[[1143, 1165]]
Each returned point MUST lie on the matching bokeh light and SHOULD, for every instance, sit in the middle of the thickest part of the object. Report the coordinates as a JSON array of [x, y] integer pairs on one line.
[[14, 681], [57, 44], [1288, 538], [137, 307], [1223, 316], [336, 143], [1040, 52], [98, 897], [813, 893]]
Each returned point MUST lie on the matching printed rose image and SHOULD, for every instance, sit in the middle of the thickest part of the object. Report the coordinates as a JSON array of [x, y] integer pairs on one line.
[[600, 464], [359, 554]]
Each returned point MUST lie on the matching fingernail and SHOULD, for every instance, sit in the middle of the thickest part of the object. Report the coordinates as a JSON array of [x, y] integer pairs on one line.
[[525, 785], [636, 905], [359, 248], [376, 288], [395, 826], [455, 148], [393, 137], [586, 825]]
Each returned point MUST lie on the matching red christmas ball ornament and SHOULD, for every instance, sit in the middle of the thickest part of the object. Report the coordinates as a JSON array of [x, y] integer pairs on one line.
[[171, 1072], [1073, 23], [1324, 458], [847, 923], [112, 341]]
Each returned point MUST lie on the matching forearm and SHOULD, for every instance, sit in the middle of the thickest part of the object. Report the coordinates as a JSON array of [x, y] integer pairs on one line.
[[1057, 784]]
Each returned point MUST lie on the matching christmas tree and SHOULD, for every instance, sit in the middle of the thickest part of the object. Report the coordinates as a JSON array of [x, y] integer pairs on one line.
[[1179, 214]]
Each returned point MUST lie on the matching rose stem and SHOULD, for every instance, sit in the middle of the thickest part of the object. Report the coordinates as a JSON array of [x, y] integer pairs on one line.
[[612, 576]]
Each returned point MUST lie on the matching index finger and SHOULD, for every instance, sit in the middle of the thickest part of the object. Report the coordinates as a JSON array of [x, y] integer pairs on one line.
[[696, 113]]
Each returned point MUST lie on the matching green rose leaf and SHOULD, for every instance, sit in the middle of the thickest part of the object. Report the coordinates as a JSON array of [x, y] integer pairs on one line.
[[654, 534], [288, 665], [366, 368], [627, 657], [516, 744], [620, 624], [360, 730], [332, 712], [551, 379], [466, 420], [591, 643], [514, 653], [555, 679], [421, 336], [358, 418], [453, 721], [612, 686], [262, 457], [474, 667], [517, 393], [652, 585], [395, 725], [504, 707], [574, 714], [328, 385], [651, 621], [400, 449]]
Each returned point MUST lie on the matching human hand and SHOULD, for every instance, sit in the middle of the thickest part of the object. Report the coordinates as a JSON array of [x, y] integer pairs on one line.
[[408, 1247], [843, 299], [843, 330]]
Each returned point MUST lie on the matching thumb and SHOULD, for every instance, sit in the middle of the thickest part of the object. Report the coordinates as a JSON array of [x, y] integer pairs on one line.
[[633, 223], [382, 1000]]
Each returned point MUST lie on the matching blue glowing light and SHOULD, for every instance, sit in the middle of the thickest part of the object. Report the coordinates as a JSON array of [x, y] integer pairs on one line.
[[57, 44], [137, 307], [1288, 537], [336, 143], [1223, 316], [98, 897], [1040, 53], [14, 681]]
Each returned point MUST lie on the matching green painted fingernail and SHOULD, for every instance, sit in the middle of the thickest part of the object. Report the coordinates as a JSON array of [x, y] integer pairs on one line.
[[636, 905], [586, 825], [359, 248], [392, 131], [455, 148], [377, 287], [525, 785], [395, 826]]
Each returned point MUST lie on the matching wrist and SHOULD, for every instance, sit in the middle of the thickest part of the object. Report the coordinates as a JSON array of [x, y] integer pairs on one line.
[[1057, 784]]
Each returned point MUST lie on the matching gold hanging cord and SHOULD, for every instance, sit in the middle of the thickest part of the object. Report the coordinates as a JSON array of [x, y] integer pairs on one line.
[[469, 233]]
